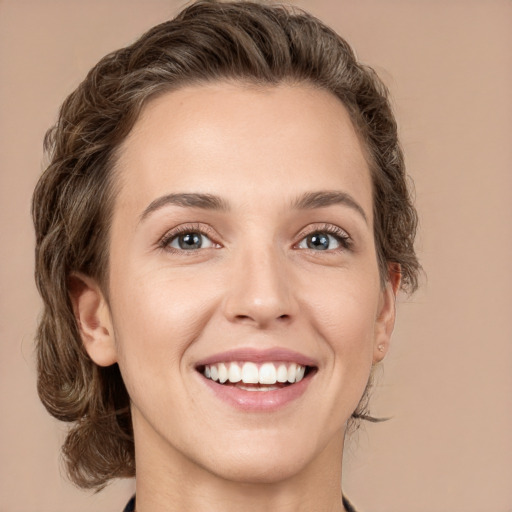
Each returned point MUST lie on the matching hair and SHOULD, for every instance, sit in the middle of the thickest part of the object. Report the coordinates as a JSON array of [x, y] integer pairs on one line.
[[209, 41]]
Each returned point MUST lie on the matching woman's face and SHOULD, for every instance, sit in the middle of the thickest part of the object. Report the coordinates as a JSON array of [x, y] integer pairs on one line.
[[243, 233]]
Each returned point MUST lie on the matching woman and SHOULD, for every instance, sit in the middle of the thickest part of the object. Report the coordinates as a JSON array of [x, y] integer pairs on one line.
[[221, 233]]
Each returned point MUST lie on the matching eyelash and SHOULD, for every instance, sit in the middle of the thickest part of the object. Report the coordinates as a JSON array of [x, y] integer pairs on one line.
[[183, 230], [339, 234]]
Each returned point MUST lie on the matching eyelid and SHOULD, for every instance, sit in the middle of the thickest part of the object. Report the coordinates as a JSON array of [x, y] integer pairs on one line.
[[203, 229], [342, 235], [344, 238]]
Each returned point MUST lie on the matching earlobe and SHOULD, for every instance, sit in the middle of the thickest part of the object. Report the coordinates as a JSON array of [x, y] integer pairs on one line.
[[386, 315], [93, 319]]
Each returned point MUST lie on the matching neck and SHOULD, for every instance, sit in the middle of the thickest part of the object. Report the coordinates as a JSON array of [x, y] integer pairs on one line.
[[167, 481]]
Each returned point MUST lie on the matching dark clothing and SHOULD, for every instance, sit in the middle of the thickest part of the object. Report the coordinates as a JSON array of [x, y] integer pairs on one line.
[[130, 507], [348, 506]]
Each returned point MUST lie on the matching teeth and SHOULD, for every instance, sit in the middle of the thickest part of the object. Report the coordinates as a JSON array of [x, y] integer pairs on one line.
[[258, 388], [235, 374], [267, 374], [292, 372], [223, 373], [249, 373], [282, 373]]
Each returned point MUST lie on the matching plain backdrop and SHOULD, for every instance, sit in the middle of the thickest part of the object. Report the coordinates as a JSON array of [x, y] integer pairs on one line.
[[447, 381]]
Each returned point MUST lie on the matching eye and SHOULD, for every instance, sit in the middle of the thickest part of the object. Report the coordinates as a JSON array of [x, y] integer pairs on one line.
[[188, 238], [189, 241], [328, 239]]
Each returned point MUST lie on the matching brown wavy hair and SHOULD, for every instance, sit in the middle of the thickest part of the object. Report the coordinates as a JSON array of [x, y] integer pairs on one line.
[[72, 204]]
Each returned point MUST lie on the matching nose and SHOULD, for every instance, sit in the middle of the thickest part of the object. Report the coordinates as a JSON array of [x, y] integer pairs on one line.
[[260, 291]]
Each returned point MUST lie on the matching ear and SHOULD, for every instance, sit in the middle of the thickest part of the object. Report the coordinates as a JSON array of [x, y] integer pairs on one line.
[[93, 319], [386, 314]]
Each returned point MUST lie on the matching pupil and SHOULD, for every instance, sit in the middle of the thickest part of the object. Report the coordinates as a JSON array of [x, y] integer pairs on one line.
[[190, 241], [318, 241]]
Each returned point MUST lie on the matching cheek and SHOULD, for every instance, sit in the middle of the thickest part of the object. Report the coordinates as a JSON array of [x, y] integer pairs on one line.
[[344, 318], [155, 320], [345, 311], [350, 338]]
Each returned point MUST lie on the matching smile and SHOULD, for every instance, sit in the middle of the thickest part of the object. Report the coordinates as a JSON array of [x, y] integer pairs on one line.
[[264, 375], [254, 380]]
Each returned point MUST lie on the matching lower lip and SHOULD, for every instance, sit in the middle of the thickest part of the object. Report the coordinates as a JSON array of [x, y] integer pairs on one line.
[[258, 401]]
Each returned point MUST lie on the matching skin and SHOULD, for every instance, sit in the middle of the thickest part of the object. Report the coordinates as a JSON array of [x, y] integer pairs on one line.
[[254, 283]]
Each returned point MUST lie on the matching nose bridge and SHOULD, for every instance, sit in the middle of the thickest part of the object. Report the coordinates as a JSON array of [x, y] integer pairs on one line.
[[259, 291]]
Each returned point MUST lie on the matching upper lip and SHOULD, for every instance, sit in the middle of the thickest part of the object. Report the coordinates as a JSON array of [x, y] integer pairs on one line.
[[258, 356]]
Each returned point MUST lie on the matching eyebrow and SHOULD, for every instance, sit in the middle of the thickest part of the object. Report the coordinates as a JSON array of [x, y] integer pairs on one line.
[[306, 201], [195, 200], [325, 198]]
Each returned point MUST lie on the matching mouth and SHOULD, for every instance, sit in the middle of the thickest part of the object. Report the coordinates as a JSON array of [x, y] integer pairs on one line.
[[257, 380], [252, 376]]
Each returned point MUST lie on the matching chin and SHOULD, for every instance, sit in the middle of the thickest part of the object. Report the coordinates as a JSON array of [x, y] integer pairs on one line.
[[267, 461], [261, 470]]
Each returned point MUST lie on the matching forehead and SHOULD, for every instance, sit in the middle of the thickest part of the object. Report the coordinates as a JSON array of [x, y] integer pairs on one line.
[[244, 141]]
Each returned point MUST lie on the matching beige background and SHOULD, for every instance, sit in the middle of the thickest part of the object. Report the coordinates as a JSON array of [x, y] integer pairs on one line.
[[447, 381]]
